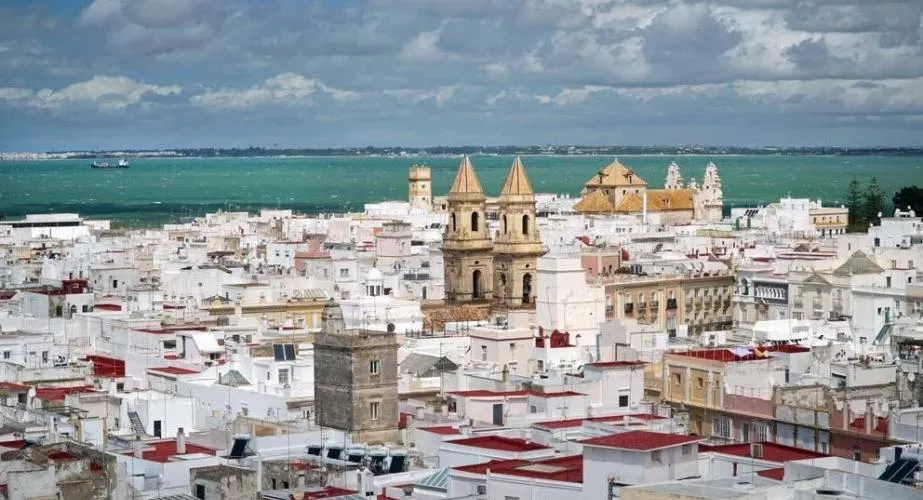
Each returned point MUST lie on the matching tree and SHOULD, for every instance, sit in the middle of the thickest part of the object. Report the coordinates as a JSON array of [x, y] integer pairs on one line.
[[909, 196], [854, 204], [874, 201]]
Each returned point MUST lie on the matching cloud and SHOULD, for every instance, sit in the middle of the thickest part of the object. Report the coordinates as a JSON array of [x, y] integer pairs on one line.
[[440, 71], [286, 88], [103, 93]]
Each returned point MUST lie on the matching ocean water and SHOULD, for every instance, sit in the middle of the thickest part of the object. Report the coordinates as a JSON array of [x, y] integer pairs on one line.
[[158, 190]]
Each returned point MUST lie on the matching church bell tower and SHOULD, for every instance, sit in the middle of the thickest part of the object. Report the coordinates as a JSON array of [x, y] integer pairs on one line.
[[466, 244], [518, 245]]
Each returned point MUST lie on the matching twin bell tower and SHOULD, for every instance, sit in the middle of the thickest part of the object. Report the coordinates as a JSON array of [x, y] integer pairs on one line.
[[480, 269]]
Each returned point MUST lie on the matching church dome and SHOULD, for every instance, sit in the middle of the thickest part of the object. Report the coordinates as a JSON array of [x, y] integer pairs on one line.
[[374, 275]]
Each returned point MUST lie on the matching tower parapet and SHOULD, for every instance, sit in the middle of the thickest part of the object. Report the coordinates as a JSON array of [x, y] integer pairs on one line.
[[420, 187]]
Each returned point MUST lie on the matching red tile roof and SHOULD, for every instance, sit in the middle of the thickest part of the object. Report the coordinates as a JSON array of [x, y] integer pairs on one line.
[[566, 469], [15, 444], [14, 387], [326, 492], [444, 430], [58, 393], [500, 443], [161, 451], [641, 440], [107, 307], [490, 394], [105, 366], [62, 456], [616, 364], [772, 452], [727, 356], [777, 474], [514, 394], [611, 419], [173, 370]]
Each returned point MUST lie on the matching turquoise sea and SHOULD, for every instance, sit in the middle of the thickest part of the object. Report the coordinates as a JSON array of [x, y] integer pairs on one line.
[[154, 191]]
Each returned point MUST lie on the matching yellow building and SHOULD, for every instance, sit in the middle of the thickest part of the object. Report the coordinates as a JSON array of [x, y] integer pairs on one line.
[[617, 189], [701, 302]]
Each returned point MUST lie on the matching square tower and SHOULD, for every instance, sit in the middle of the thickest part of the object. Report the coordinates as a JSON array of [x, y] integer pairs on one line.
[[466, 243], [355, 379]]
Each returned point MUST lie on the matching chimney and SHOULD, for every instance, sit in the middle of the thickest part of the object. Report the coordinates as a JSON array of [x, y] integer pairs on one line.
[[869, 418], [180, 442], [138, 447]]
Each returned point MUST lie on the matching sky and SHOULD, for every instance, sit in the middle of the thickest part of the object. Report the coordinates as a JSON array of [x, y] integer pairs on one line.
[[112, 74]]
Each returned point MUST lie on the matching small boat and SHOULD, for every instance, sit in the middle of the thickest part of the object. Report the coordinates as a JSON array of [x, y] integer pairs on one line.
[[123, 163]]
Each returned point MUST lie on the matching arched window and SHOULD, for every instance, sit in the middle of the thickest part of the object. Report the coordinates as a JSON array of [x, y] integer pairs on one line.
[[504, 224], [526, 288], [525, 225], [476, 284], [474, 221], [454, 227]]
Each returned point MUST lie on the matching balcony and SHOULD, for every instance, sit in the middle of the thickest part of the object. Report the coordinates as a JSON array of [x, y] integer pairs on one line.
[[671, 305], [642, 306], [655, 304]]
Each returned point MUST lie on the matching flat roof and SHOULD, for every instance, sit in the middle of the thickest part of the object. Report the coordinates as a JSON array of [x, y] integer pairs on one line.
[[162, 451], [641, 440], [499, 443], [772, 452], [611, 419], [566, 469]]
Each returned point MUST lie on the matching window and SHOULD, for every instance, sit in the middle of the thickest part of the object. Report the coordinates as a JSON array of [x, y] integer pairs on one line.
[[200, 491], [373, 410], [483, 353], [677, 379], [700, 382], [169, 344], [475, 217], [115, 283], [454, 227], [533, 409], [344, 273], [6, 354], [623, 401], [721, 427], [283, 376], [687, 449], [373, 367], [655, 456], [525, 225], [44, 356]]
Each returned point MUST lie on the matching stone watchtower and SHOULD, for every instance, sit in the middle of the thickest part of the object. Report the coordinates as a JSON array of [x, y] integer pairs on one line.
[[466, 244], [518, 245], [420, 187], [355, 379]]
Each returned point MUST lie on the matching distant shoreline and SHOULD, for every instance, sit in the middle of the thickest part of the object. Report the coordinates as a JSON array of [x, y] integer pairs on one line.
[[176, 155], [411, 153]]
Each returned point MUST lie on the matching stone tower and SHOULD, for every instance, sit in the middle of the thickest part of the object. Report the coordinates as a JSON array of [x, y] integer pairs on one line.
[[674, 177], [420, 187], [466, 244], [709, 199], [518, 245], [355, 379]]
